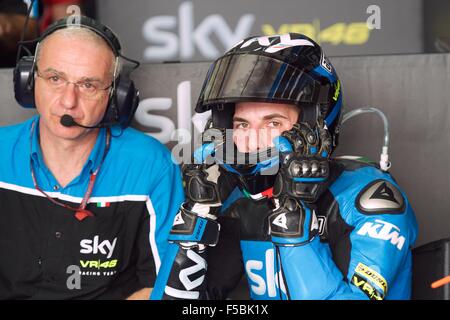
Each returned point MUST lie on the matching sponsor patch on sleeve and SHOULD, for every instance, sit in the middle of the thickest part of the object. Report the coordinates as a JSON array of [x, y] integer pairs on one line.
[[370, 282]]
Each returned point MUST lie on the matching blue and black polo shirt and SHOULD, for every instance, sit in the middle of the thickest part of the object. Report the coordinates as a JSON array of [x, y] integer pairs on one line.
[[117, 251]]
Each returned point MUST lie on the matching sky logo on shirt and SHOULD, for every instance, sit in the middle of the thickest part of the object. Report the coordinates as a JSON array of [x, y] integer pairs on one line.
[[94, 246]]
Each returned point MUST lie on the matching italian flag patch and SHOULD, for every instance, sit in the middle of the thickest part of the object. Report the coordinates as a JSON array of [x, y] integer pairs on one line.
[[103, 204]]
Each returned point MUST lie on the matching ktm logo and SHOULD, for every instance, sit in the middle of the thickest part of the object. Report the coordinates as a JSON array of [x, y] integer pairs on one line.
[[384, 231]]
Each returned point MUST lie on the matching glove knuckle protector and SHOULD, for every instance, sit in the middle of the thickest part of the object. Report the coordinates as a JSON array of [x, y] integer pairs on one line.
[[304, 170], [200, 183]]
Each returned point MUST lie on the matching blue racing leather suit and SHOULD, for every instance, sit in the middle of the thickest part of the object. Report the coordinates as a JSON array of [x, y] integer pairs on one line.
[[361, 231]]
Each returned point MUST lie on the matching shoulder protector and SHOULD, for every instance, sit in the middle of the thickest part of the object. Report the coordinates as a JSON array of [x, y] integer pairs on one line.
[[380, 197]]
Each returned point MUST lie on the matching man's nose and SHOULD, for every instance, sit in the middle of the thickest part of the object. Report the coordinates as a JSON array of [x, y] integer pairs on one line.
[[69, 96], [255, 140], [261, 139]]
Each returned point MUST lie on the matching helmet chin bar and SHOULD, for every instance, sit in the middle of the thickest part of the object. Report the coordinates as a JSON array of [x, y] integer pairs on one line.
[[261, 162]]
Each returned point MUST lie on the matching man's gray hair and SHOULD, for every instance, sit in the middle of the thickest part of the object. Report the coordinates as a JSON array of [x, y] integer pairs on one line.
[[84, 33]]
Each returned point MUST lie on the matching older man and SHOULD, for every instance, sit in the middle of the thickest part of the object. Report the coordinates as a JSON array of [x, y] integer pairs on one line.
[[86, 204]]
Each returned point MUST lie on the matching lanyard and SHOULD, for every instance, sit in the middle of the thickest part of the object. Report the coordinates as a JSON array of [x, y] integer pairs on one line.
[[81, 212]]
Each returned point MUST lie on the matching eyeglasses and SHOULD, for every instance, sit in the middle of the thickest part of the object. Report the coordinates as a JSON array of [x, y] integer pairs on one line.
[[89, 89]]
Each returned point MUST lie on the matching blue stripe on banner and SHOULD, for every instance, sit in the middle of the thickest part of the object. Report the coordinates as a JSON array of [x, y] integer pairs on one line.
[[35, 11]]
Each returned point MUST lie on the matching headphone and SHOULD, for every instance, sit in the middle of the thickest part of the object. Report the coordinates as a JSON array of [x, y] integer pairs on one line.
[[124, 97]]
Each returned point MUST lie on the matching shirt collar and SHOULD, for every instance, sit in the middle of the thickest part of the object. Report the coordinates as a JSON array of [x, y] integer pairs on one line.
[[92, 162]]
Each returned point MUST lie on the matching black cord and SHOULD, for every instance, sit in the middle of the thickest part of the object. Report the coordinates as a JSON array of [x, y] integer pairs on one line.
[[277, 255], [28, 51], [135, 62], [22, 37]]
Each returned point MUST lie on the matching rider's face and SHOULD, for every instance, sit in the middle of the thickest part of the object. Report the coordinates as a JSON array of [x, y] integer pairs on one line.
[[256, 124]]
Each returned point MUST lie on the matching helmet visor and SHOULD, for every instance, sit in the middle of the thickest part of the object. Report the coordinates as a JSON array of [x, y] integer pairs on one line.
[[247, 77]]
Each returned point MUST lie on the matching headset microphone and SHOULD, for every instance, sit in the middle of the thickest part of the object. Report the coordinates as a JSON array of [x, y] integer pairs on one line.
[[68, 121]]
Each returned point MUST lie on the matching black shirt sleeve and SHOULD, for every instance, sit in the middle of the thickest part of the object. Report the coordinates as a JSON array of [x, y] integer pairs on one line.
[[13, 6]]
